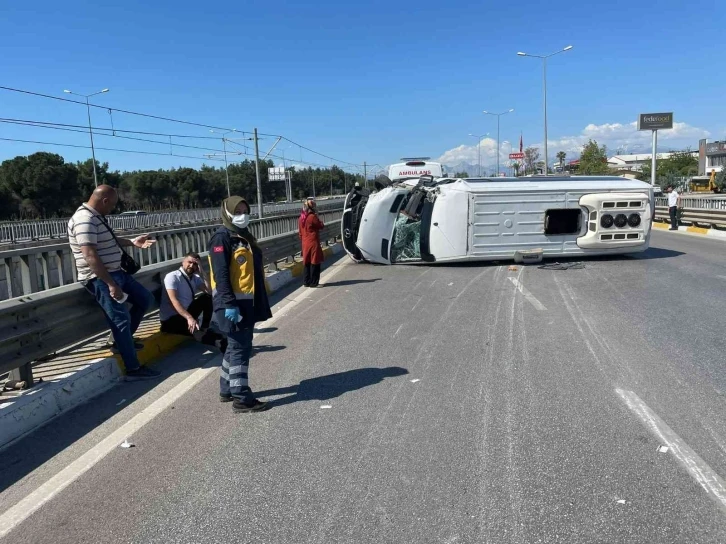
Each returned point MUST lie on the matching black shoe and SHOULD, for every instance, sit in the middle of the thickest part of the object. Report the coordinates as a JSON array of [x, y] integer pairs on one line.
[[142, 373], [255, 405], [137, 345], [225, 398]]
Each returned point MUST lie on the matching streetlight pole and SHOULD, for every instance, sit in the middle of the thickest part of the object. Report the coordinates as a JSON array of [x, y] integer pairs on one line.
[[224, 144], [544, 86], [478, 146], [90, 129], [498, 115]]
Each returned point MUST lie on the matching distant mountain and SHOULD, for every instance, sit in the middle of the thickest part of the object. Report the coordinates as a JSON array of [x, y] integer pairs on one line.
[[471, 169]]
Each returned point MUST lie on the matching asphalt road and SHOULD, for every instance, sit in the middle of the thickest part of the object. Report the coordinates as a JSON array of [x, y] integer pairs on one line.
[[427, 404]]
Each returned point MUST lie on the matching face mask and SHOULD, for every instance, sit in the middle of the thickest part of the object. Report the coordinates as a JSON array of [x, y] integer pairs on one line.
[[241, 221]]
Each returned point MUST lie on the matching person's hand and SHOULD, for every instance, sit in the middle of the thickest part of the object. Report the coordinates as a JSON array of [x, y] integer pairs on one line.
[[116, 292], [192, 324], [143, 241], [198, 268], [232, 314]]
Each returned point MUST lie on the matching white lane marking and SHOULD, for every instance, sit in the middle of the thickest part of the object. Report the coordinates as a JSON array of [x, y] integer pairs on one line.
[[398, 330], [415, 305], [529, 296], [14, 516], [721, 277], [696, 467]]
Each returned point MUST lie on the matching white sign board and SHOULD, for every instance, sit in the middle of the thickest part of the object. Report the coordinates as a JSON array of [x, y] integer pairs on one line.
[[276, 174]]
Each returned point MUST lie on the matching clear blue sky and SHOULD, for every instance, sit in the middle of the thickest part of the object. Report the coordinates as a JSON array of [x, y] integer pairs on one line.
[[370, 81]]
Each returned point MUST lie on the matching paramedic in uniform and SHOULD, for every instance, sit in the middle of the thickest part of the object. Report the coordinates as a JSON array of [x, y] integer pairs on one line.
[[237, 278]]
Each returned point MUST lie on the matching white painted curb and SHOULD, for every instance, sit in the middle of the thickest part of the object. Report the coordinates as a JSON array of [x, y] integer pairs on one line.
[[45, 402]]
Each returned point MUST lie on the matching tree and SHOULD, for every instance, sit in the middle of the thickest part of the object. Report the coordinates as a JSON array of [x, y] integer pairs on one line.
[[461, 175], [516, 167], [85, 176], [561, 155], [678, 165], [41, 184], [531, 157], [593, 159], [721, 180]]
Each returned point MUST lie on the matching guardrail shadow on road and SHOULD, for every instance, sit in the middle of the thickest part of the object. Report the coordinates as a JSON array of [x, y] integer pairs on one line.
[[332, 385], [344, 283]]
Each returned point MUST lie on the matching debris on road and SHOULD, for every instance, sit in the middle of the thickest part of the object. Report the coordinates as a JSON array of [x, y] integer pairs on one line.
[[128, 444], [414, 381], [120, 402], [621, 501], [325, 406], [563, 266], [663, 449]]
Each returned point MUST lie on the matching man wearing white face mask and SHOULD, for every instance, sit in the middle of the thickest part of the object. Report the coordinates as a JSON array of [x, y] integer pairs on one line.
[[237, 278]]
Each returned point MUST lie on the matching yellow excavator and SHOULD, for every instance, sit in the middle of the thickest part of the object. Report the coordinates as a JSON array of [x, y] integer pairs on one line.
[[704, 184]]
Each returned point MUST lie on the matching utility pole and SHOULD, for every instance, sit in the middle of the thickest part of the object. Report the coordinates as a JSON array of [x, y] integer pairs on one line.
[[365, 175], [226, 168], [90, 128], [544, 92], [257, 172]]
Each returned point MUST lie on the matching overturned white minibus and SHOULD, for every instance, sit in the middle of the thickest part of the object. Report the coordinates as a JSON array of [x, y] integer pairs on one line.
[[429, 220]]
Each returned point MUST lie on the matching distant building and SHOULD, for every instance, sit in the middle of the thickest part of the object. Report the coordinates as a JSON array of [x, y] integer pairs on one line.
[[634, 163], [711, 157]]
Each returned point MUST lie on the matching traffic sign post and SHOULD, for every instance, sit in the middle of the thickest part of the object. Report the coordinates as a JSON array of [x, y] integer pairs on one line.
[[654, 122]]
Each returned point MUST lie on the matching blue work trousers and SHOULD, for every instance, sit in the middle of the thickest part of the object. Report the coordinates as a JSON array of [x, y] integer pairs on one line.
[[234, 374], [122, 320]]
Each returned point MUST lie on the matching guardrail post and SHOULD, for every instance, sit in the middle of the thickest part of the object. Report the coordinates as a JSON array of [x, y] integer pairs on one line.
[[55, 275], [68, 267], [19, 277], [5, 289], [24, 374]]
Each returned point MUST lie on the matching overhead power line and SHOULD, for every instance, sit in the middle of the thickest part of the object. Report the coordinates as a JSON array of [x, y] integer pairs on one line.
[[162, 118], [112, 130], [150, 116], [146, 140], [107, 149]]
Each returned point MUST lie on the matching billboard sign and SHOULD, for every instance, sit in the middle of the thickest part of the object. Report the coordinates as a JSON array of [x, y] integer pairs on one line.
[[516, 155], [716, 148], [276, 174], [655, 121]]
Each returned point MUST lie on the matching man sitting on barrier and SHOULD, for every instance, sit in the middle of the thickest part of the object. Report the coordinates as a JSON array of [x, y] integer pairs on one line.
[[186, 296], [100, 261]]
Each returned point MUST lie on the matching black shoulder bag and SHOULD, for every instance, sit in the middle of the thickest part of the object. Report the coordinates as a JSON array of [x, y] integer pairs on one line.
[[128, 263]]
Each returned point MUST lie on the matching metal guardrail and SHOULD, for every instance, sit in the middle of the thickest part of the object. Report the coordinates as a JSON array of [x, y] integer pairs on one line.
[[28, 270], [31, 327], [695, 202], [695, 216], [12, 232]]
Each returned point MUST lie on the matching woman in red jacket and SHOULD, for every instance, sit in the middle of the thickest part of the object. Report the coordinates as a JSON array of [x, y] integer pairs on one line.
[[312, 253]]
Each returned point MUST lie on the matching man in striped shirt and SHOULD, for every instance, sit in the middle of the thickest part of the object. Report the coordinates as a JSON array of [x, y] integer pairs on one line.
[[98, 261]]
